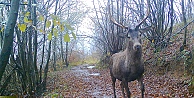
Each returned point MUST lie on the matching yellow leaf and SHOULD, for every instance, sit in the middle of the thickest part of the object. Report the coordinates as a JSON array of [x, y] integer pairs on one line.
[[58, 23], [66, 37], [62, 28], [41, 18], [50, 36], [54, 22], [27, 14], [152, 40], [22, 27], [74, 36], [25, 2], [2, 29], [26, 20], [48, 23], [29, 23], [55, 32], [40, 30]]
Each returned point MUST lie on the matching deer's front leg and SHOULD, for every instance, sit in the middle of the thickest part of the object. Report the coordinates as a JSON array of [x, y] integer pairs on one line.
[[140, 82], [125, 84]]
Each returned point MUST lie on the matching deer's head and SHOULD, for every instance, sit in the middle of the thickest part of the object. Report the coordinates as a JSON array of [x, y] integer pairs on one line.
[[133, 34]]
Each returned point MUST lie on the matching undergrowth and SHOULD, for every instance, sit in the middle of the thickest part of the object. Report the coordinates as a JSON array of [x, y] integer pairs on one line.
[[87, 60]]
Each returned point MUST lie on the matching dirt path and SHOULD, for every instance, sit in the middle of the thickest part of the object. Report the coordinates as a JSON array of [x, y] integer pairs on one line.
[[85, 81]]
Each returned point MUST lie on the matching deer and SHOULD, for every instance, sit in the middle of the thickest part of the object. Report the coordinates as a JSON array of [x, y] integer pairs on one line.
[[128, 65]]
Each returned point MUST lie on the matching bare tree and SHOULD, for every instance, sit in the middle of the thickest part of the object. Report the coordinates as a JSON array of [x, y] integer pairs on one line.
[[184, 21], [162, 17]]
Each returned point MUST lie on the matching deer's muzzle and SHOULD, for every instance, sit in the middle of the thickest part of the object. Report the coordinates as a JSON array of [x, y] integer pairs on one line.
[[137, 45]]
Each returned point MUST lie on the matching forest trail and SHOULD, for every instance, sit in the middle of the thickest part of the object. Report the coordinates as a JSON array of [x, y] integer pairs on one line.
[[85, 81]]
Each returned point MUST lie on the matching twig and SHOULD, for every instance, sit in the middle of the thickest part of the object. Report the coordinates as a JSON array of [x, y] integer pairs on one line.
[[183, 28], [9, 4]]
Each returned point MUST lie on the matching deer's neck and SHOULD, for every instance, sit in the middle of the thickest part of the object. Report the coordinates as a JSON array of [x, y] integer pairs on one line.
[[132, 55]]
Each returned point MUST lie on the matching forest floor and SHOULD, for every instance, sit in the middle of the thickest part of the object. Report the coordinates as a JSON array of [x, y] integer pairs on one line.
[[87, 81]]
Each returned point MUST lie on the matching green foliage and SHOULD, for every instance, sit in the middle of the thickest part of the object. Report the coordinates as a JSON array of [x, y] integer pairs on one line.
[[2, 29], [55, 32], [48, 24], [189, 67], [88, 60], [66, 37], [186, 58], [22, 27], [41, 18], [76, 63], [74, 36], [62, 28], [50, 36], [91, 60], [27, 14], [58, 26]]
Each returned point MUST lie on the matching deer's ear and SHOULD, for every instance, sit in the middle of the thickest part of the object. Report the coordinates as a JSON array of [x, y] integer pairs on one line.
[[143, 30]]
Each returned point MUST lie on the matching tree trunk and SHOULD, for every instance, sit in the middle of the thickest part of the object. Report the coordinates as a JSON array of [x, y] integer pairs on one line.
[[43, 51], [66, 55], [54, 41], [185, 23], [171, 19], [46, 67], [190, 9], [8, 40], [49, 52], [62, 51], [35, 43], [29, 53]]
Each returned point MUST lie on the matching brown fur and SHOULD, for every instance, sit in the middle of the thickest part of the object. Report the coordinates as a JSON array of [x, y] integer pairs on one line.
[[127, 66]]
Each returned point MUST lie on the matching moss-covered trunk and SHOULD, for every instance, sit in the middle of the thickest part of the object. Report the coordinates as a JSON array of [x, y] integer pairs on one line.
[[8, 37]]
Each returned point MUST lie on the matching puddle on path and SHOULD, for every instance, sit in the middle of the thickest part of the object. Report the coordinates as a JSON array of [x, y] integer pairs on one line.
[[83, 71], [95, 74], [90, 67]]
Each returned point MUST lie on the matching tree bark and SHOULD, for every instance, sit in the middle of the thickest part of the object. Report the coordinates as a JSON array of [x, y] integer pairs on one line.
[[35, 42], [66, 55], [185, 23], [46, 67], [30, 69], [55, 41], [8, 37]]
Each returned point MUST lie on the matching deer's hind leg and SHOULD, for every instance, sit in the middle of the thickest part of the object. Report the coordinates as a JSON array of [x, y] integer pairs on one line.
[[113, 84]]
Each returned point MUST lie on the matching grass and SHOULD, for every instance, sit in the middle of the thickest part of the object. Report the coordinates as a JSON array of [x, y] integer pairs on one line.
[[88, 60]]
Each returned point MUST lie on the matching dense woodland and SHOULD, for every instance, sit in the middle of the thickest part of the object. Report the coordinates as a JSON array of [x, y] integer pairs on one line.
[[38, 37]]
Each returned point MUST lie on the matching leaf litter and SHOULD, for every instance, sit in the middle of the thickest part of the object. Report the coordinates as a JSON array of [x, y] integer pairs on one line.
[[78, 82]]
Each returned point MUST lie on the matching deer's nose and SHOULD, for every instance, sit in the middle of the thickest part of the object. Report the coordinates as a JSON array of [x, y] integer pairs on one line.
[[137, 47]]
